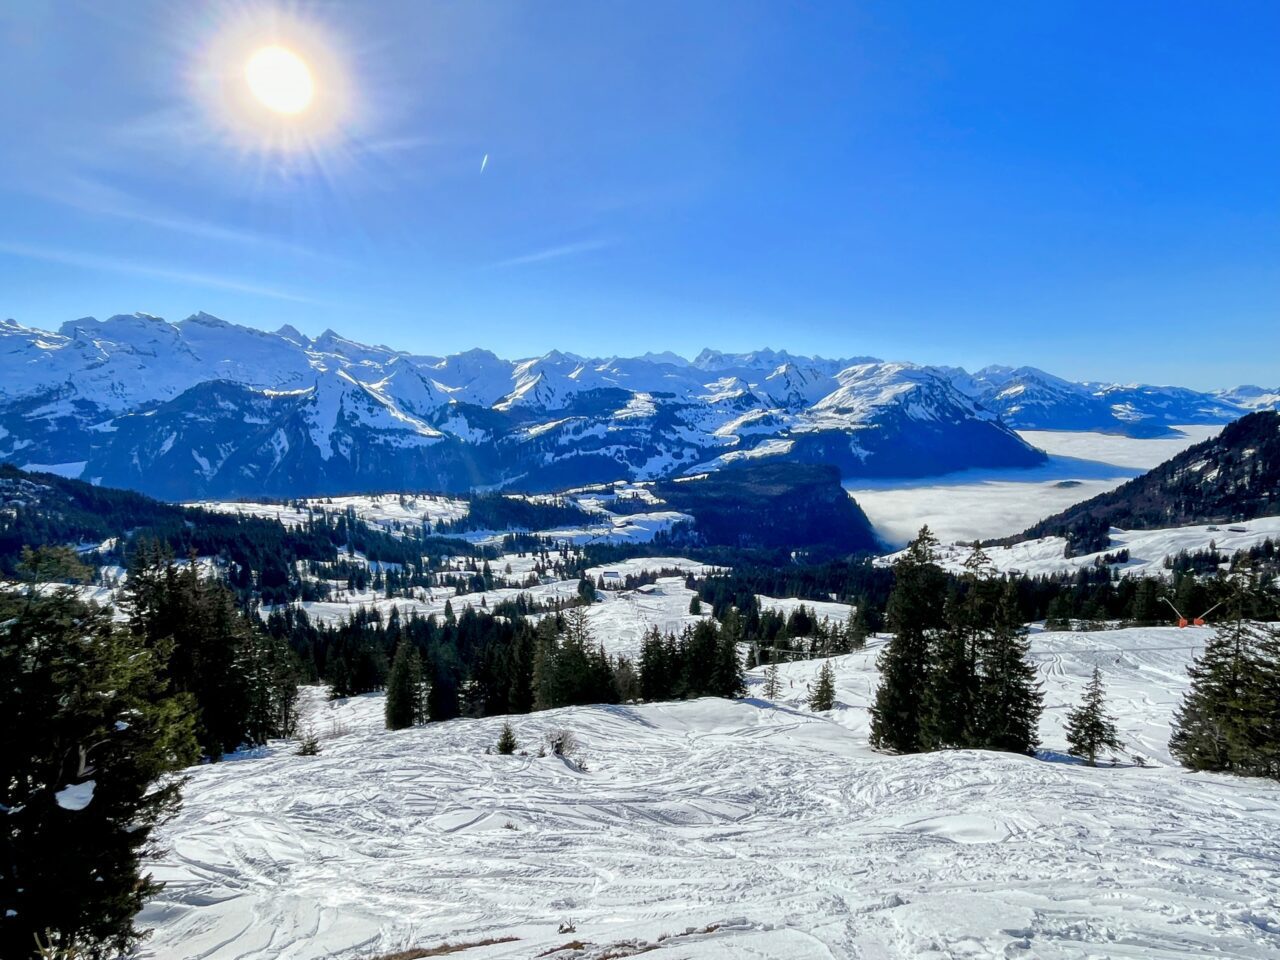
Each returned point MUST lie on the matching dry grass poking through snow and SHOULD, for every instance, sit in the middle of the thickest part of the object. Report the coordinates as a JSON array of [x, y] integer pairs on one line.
[[443, 950]]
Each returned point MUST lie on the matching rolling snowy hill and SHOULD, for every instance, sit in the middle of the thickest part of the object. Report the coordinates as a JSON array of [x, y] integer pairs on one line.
[[718, 829]]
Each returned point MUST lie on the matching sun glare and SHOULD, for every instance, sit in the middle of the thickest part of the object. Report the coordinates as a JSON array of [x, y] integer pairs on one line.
[[280, 80], [275, 83]]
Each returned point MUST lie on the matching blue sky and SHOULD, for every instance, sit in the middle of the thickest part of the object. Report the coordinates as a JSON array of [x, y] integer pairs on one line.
[[1093, 188]]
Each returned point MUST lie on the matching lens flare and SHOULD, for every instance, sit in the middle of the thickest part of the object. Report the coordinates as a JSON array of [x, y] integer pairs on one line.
[[280, 79], [276, 84]]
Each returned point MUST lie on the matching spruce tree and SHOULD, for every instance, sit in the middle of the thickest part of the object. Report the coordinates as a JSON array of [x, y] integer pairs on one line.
[[823, 695], [507, 743], [772, 689], [950, 703], [90, 734], [655, 673], [1264, 705], [241, 680], [946, 709], [915, 615], [1218, 725], [1009, 696], [404, 688], [1089, 728], [727, 679], [856, 629]]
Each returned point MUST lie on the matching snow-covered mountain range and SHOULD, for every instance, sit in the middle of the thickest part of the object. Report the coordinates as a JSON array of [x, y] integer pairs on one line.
[[203, 407]]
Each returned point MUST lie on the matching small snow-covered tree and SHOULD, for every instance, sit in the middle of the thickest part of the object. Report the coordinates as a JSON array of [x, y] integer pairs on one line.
[[507, 743], [772, 684], [1089, 727], [823, 694]]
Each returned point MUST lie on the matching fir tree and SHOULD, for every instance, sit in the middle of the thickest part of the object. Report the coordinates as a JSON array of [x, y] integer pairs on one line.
[[1222, 718], [823, 695], [403, 705], [1089, 728], [915, 614], [695, 606], [1264, 705], [772, 684], [951, 693], [507, 743], [90, 733], [857, 630], [1009, 696], [727, 679], [241, 680], [655, 672]]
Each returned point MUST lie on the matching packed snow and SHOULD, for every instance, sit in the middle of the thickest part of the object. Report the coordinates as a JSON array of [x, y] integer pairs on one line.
[[986, 504], [718, 829]]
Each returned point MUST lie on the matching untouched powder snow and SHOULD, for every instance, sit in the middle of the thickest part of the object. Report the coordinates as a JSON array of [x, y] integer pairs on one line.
[[729, 829]]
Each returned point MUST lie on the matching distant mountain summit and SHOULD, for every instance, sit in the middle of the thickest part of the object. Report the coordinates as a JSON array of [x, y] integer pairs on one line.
[[207, 408], [1030, 399]]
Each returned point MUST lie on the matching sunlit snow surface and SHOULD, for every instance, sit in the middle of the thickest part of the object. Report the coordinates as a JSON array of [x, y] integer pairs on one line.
[[776, 826], [981, 504]]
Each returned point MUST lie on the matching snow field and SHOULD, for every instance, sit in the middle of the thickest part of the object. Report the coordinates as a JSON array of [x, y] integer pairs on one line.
[[777, 827], [1147, 548]]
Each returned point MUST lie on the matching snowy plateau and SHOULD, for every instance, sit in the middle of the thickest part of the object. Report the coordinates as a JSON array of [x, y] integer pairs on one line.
[[729, 829]]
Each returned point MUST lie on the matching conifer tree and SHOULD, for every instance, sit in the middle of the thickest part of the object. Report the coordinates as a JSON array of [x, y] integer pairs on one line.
[[947, 705], [823, 695], [507, 743], [655, 672], [1009, 696], [772, 684], [1089, 728], [915, 615], [857, 630], [1221, 723], [241, 680], [1264, 705], [727, 679], [951, 693], [90, 733], [403, 705]]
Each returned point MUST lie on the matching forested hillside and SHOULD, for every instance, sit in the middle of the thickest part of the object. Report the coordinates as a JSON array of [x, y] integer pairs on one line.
[[41, 509], [1232, 477]]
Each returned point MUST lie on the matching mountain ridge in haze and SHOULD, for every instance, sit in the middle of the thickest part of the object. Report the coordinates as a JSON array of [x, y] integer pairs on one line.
[[207, 408]]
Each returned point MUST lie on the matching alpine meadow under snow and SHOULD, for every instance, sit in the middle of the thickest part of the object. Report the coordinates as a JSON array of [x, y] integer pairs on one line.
[[717, 829]]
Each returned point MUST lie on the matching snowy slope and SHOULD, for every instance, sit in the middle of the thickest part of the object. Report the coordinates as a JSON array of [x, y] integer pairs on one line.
[[1147, 549], [717, 829]]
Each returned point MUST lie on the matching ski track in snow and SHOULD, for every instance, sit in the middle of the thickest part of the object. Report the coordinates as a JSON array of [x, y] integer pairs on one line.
[[774, 823]]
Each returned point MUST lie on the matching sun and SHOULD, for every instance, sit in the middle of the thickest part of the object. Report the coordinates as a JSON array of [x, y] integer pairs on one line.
[[280, 80]]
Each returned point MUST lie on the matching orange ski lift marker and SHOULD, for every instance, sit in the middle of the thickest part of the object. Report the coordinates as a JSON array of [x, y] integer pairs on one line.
[[1195, 621]]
